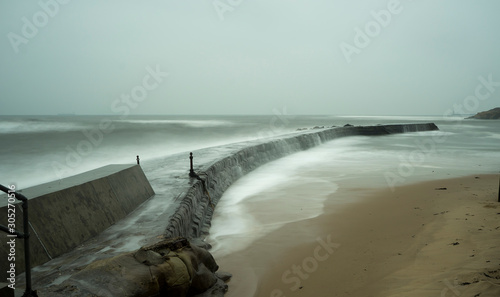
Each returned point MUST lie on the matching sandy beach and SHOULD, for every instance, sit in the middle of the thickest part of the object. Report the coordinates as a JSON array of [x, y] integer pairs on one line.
[[438, 238]]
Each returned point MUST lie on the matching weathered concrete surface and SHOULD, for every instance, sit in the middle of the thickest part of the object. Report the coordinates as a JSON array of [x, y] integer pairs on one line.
[[65, 213], [193, 215]]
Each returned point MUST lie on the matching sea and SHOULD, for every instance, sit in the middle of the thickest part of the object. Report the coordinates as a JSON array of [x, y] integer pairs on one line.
[[40, 149]]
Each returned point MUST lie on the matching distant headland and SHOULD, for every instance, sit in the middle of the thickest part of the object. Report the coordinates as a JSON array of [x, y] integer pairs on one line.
[[492, 114]]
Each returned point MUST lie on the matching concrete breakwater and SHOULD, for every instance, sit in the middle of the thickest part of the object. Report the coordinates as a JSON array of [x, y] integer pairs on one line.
[[192, 217], [65, 213]]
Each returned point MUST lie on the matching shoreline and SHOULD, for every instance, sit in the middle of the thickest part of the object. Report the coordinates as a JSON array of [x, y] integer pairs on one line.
[[420, 240]]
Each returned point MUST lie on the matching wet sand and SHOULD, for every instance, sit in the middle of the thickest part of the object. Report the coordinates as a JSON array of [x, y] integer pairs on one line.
[[438, 238]]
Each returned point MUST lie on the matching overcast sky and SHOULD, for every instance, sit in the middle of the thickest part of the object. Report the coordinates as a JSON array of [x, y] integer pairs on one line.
[[339, 57]]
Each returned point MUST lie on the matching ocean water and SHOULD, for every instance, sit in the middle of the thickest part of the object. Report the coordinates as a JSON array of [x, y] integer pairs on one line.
[[38, 149]]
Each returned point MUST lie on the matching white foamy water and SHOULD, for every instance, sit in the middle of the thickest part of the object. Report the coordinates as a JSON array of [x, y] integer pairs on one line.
[[16, 127], [272, 208], [46, 148], [275, 194], [189, 123], [296, 187]]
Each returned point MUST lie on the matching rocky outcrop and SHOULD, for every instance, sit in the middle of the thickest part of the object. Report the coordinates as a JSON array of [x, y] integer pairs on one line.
[[192, 217], [492, 114], [172, 267]]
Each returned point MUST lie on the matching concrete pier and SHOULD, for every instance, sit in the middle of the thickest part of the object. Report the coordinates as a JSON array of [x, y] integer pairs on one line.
[[67, 212]]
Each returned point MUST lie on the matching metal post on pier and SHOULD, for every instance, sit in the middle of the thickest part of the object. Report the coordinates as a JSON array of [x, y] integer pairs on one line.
[[138, 160], [499, 189], [191, 171]]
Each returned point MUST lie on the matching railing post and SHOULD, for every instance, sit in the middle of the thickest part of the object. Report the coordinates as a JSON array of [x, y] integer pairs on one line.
[[27, 259], [191, 171]]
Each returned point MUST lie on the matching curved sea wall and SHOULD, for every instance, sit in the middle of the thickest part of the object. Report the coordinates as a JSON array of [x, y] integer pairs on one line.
[[193, 215]]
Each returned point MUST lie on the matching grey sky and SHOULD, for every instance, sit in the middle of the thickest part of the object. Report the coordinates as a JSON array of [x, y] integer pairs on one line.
[[251, 58]]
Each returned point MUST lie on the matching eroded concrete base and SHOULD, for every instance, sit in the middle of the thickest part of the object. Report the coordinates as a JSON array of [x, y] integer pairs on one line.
[[172, 267]]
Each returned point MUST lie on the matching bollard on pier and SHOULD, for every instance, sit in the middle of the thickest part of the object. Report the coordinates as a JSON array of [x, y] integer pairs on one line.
[[191, 171]]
